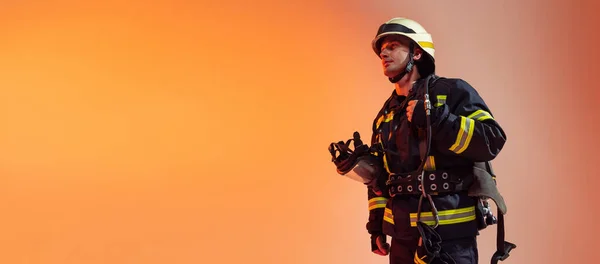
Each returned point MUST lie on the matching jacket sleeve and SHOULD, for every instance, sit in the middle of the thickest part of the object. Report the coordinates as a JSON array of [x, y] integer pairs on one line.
[[377, 197], [376, 211], [465, 126]]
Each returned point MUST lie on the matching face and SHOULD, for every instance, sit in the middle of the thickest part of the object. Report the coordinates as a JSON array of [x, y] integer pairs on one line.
[[394, 50]]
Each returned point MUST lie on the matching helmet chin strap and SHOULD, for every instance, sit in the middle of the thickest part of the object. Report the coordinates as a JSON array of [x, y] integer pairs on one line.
[[409, 66]]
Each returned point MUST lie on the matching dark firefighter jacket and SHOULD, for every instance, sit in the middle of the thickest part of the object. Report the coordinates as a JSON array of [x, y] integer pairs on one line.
[[463, 132]]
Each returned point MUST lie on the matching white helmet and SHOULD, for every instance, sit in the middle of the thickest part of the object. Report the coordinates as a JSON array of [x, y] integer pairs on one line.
[[414, 31]]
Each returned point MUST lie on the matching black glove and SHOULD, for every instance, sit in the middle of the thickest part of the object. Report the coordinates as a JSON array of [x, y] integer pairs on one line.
[[419, 115], [379, 245]]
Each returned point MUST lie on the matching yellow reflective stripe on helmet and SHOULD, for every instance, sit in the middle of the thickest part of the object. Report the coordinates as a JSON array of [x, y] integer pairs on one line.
[[377, 202], [480, 115], [388, 216], [447, 217], [441, 100], [430, 164], [426, 44], [467, 126]]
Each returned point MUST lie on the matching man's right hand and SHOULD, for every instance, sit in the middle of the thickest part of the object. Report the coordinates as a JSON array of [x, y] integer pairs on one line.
[[379, 245]]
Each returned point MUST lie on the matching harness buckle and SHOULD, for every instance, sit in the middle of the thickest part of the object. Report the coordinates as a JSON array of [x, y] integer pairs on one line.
[[501, 256]]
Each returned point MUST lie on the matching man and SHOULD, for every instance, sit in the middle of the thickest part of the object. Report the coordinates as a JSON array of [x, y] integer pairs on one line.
[[436, 150]]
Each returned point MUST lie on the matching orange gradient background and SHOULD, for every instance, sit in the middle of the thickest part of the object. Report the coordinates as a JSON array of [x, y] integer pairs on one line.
[[197, 132]]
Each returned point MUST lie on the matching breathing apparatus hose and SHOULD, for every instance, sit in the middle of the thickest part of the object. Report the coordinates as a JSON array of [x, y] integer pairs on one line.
[[430, 239], [421, 170]]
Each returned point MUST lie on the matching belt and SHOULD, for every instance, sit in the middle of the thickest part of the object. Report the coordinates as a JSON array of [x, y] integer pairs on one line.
[[439, 181]]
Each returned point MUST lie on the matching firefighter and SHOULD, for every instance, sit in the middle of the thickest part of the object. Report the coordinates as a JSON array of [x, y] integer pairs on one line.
[[430, 132]]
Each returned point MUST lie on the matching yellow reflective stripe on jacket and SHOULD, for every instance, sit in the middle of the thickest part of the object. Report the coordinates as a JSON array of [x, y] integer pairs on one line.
[[419, 260], [441, 99], [388, 216], [384, 158], [447, 217], [377, 202], [480, 115], [467, 126], [430, 164], [385, 119]]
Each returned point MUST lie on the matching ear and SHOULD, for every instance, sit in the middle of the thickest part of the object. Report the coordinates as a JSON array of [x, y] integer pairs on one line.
[[418, 54]]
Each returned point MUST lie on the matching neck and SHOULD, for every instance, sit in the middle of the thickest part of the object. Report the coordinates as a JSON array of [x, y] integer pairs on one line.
[[406, 83]]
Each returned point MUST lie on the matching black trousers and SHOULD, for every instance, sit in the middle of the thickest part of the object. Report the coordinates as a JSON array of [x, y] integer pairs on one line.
[[462, 251]]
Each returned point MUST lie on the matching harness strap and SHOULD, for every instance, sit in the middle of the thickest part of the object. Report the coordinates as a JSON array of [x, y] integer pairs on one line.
[[503, 247]]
